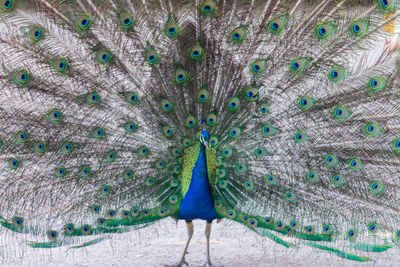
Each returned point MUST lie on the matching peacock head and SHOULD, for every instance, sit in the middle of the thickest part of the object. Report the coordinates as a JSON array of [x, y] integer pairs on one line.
[[205, 135]]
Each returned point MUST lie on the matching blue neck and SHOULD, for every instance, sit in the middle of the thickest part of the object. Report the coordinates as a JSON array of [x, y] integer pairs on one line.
[[198, 202]]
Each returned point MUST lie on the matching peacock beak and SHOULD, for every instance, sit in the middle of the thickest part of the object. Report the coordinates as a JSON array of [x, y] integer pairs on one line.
[[206, 144], [204, 141]]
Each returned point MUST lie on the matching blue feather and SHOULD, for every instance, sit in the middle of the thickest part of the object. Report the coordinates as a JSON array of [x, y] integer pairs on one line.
[[198, 202]]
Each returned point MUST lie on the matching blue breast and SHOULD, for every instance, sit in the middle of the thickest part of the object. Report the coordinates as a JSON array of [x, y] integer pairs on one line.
[[198, 202]]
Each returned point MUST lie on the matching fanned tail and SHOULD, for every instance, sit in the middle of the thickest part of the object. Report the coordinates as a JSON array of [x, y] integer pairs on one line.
[[102, 102]]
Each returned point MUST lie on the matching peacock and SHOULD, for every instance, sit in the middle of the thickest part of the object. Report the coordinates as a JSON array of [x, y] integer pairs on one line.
[[282, 116]]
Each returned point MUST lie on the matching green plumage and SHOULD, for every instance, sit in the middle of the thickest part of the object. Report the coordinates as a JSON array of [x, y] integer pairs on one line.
[[189, 160]]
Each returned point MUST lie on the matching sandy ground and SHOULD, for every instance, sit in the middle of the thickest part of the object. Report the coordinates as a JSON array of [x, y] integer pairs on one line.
[[162, 243]]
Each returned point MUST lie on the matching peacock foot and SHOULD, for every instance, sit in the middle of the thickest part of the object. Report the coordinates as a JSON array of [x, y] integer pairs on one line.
[[183, 262], [180, 264]]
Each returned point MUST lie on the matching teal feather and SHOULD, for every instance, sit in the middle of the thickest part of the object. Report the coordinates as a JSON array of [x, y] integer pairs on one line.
[[296, 112]]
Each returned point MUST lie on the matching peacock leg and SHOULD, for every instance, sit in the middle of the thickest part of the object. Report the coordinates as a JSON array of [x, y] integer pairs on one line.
[[208, 233], [189, 226]]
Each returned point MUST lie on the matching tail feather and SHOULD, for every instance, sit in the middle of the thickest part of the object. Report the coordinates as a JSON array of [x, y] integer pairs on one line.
[[101, 101]]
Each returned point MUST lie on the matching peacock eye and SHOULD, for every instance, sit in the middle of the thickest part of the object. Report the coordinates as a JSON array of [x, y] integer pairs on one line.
[[7, 5], [85, 22], [171, 28], [166, 105], [397, 144], [358, 27], [98, 133], [103, 56], [340, 112]]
